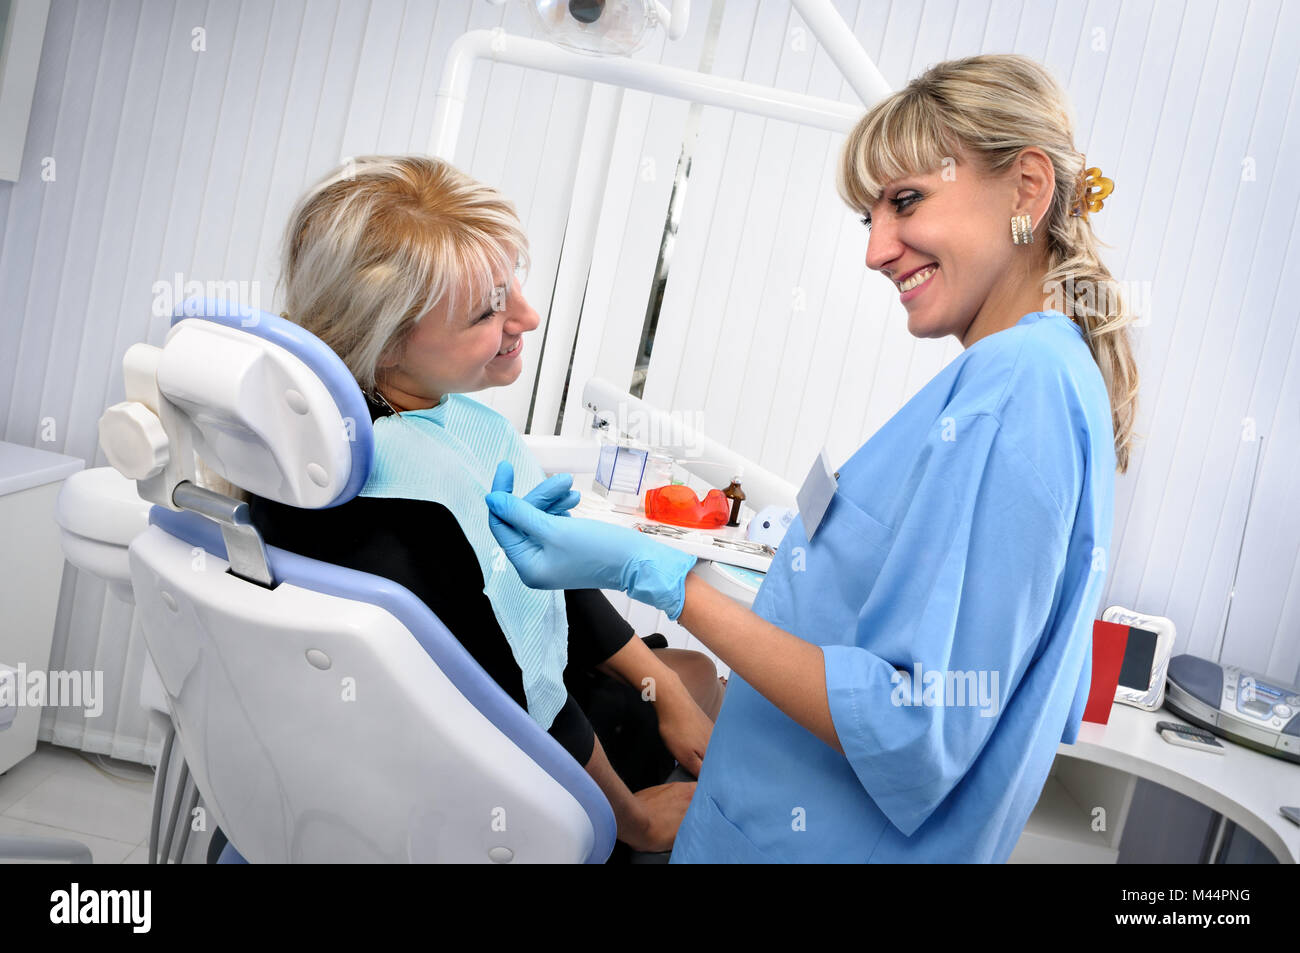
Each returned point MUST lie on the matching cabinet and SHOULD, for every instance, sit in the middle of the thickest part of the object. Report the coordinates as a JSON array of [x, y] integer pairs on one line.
[[31, 572]]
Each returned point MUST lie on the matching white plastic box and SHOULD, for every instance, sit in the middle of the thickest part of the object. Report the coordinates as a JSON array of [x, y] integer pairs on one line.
[[31, 572]]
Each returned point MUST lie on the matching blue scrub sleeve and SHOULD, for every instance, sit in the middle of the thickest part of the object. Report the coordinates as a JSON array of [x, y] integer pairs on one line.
[[965, 594]]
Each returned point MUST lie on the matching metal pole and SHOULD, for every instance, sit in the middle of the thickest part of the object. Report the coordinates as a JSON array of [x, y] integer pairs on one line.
[[1232, 590]]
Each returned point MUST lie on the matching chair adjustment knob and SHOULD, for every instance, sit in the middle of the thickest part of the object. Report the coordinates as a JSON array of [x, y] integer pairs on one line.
[[134, 440]]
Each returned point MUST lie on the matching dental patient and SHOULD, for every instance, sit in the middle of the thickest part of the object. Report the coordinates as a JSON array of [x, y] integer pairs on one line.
[[407, 268]]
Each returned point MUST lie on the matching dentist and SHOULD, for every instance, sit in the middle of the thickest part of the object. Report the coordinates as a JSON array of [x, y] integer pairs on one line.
[[922, 641]]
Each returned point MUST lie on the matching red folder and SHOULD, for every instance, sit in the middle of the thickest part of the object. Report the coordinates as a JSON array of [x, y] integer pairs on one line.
[[1109, 639]]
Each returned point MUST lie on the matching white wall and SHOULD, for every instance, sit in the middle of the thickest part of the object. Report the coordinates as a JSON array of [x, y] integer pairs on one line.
[[169, 160]]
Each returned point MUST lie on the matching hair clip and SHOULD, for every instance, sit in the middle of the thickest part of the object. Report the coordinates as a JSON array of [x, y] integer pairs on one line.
[[1093, 189]]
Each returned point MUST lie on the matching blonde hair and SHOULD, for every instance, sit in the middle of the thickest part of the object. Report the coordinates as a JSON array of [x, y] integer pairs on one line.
[[381, 241], [991, 108]]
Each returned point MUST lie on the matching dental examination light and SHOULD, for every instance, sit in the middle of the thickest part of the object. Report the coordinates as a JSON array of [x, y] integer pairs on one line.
[[606, 27]]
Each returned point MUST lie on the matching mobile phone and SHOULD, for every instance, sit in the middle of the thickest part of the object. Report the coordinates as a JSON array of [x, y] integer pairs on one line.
[[1189, 737]]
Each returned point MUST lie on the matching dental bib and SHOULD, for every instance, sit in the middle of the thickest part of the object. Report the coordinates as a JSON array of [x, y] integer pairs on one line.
[[448, 454]]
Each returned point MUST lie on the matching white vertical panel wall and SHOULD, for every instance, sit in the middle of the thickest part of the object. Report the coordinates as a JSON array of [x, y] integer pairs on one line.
[[774, 330]]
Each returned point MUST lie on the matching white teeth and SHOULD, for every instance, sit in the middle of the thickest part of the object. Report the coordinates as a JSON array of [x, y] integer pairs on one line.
[[511, 350], [917, 278]]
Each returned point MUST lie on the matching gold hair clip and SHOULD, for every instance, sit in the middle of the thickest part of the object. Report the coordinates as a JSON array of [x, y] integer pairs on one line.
[[1094, 188]]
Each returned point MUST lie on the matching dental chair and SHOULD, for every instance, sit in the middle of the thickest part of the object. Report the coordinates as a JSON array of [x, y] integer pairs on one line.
[[325, 715]]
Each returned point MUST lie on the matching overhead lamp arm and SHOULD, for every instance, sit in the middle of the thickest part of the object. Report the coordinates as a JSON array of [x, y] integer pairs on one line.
[[689, 85], [837, 38], [674, 23]]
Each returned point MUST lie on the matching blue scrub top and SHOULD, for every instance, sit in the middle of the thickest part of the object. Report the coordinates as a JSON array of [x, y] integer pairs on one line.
[[952, 585]]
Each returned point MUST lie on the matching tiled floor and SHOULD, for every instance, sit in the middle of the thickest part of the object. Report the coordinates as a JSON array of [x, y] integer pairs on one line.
[[57, 792]]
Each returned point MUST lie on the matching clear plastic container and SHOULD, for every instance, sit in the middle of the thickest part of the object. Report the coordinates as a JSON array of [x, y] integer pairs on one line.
[[658, 472]]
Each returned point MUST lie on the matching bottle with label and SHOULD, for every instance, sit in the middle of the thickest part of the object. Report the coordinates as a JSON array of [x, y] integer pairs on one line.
[[734, 493]]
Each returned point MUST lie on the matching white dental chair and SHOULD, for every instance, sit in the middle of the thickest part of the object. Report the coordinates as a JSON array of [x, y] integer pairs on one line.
[[326, 715]]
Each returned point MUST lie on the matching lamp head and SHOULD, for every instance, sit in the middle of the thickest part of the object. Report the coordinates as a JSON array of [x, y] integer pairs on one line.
[[602, 27]]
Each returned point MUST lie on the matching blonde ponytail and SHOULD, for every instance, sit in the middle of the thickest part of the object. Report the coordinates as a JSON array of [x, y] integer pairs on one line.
[[1092, 298]]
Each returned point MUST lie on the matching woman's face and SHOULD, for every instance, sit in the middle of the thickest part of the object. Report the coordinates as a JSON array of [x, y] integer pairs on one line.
[[479, 347], [944, 239]]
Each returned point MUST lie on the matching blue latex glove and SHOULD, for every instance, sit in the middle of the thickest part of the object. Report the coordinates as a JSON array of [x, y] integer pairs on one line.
[[553, 495], [553, 552]]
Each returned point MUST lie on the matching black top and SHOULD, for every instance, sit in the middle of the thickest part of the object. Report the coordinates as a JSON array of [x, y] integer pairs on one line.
[[419, 545]]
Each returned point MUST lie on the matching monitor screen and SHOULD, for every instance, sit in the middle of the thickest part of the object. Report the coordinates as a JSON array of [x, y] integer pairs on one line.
[[1139, 653]]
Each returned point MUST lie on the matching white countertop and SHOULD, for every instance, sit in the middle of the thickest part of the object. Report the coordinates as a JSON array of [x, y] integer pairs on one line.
[[697, 543], [1245, 786], [22, 468]]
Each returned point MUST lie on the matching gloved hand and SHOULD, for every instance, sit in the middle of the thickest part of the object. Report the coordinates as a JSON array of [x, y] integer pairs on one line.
[[554, 495], [552, 552]]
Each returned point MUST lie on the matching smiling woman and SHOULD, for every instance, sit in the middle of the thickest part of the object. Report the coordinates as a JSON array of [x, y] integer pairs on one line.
[[450, 352], [965, 540], [410, 270], [391, 251], [939, 167]]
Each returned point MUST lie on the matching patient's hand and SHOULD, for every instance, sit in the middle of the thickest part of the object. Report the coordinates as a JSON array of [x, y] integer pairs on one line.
[[684, 727], [662, 807]]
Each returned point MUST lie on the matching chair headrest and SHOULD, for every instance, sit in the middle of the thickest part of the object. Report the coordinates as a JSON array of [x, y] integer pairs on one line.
[[267, 405]]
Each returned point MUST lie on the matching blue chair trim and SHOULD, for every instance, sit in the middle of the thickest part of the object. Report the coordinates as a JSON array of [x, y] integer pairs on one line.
[[447, 653], [318, 356], [230, 856]]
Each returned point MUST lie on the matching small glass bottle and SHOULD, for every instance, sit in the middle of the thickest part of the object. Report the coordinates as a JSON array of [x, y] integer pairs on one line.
[[734, 493]]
